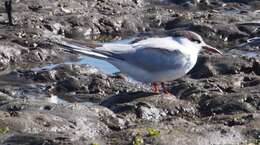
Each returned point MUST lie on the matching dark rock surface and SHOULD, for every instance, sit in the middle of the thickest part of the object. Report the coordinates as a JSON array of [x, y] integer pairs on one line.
[[35, 122], [218, 102]]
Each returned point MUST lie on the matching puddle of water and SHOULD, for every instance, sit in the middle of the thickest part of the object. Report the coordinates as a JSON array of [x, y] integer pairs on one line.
[[232, 10], [100, 64], [55, 99], [47, 67], [252, 42], [248, 54], [255, 39]]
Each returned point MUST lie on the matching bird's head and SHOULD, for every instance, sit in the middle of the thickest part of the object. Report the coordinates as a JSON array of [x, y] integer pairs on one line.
[[196, 40]]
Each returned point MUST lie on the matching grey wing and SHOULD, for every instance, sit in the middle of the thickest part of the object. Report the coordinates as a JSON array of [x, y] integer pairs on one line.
[[154, 59]]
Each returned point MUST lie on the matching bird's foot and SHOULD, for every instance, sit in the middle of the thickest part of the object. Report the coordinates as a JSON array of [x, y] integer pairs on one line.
[[155, 87], [165, 89]]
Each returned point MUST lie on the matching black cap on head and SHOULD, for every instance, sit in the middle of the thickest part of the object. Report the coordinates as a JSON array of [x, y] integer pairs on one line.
[[192, 36]]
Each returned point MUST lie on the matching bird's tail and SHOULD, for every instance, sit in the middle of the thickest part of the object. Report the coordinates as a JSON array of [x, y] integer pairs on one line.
[[84, 48]]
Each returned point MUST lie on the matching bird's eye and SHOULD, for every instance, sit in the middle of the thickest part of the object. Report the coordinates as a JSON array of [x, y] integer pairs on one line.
[[196, 41]]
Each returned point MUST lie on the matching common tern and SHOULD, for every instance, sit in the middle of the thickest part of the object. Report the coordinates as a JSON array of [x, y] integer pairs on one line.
[[150, 60]]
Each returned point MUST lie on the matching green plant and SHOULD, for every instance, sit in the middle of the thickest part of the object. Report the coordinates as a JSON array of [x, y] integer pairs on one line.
[[153, 132], [4, 130], [138, 140]]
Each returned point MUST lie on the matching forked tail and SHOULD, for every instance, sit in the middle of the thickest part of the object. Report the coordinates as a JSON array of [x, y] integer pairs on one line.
[[79, 47]]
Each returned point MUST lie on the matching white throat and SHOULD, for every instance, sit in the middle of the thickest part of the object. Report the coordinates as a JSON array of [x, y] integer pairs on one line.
[[191, 51], [189, 48]]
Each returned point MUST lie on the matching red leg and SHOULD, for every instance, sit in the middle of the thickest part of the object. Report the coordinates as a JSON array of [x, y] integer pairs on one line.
[[155, 87], [165, 89]]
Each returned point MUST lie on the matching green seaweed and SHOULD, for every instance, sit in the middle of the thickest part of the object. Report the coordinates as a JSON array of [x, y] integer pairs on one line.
[[252, 142], [138, 140], [153, 132], [4, 130], [3, 98]]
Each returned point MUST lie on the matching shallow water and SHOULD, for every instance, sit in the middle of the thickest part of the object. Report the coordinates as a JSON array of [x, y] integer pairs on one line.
[[248, 54], [232, 10], [100, 64]]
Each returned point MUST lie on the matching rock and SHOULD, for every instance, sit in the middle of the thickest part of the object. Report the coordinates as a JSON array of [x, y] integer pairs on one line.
[[240, 1], [78, 19], [233, 33], [224, 105], [73, 123], [48, 139], [216, 103], [4, 97], [69, 84], [74, 82], [182, 131], [189, 133], [256, 66], [149, 107], [203, 69], [148, 112]]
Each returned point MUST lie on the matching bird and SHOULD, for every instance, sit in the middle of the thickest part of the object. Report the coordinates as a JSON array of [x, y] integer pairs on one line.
[[154, 59]]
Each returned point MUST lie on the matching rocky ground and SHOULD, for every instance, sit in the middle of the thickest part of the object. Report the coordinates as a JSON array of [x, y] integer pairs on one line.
[[218, 102]]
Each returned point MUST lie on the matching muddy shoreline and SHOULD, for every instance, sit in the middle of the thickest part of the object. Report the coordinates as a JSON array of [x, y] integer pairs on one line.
[[218, 102]]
